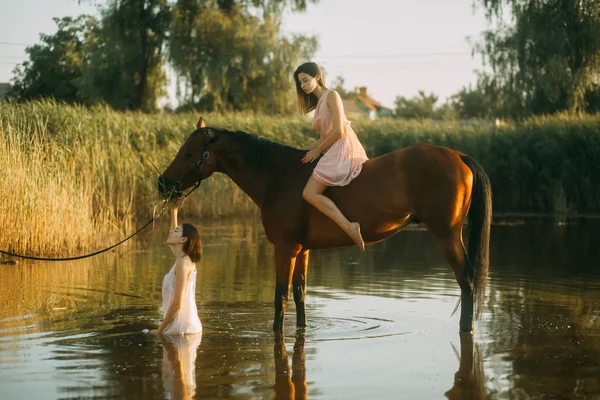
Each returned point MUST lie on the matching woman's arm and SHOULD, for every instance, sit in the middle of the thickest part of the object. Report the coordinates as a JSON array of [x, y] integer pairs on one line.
[[312, 145], [174, 208], [182, 270], [334, 102]]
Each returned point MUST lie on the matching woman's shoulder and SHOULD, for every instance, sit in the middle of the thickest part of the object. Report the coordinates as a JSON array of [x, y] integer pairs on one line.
[[184, 265], [332, 95], [333, 98]]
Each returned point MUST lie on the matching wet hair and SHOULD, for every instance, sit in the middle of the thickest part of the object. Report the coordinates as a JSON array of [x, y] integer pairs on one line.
[[192, 246], [307, 102]]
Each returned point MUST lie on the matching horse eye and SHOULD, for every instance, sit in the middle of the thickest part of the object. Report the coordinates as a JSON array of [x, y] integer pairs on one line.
[[188, 154]]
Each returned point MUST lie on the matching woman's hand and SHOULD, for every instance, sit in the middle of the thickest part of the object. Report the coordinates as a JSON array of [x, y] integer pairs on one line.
[[177, 204], [156, 332], [311, 156]]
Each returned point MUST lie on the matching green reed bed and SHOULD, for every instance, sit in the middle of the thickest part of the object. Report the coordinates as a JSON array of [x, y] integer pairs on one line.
[[75, 178]]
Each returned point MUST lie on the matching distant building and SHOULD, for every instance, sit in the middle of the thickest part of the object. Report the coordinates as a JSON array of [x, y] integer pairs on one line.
[[3, 89], [360, 104]]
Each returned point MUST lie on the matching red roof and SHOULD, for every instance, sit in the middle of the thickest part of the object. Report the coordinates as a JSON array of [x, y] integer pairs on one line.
[[370, 103]]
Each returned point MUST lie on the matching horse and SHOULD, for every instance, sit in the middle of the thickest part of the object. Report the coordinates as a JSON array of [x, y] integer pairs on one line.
[[427, 184]]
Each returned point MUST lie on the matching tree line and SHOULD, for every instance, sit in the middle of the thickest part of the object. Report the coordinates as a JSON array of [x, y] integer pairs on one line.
[[226, 55], [231, 55]]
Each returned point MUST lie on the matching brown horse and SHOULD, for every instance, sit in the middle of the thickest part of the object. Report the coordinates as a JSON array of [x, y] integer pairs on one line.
[[423, 183]]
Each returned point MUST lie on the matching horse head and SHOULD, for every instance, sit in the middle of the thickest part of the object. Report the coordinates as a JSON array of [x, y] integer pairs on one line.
[[194, 162]]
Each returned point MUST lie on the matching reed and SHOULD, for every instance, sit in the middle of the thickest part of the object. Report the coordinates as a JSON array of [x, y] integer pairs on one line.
[[75, 179]]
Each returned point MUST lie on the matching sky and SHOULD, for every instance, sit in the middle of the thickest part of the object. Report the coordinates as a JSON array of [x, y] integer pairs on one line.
[[392, 47]]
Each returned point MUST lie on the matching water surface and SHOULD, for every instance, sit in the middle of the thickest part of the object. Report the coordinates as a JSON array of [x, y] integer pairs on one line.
[[380, 323]]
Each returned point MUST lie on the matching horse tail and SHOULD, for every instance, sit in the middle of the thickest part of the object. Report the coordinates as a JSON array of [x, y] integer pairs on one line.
[[480, 220]]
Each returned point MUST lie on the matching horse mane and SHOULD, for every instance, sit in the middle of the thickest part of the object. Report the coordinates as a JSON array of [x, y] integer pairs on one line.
[[262, 152]]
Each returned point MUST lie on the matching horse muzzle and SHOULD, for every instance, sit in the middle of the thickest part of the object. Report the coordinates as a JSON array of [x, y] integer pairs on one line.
[[169, 187]]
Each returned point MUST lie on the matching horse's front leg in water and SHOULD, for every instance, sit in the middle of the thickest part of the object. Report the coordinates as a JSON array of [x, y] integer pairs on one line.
[[299, 287], [285, 257]]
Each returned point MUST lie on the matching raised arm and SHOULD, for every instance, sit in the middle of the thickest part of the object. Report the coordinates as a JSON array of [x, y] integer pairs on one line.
[[174, 208]]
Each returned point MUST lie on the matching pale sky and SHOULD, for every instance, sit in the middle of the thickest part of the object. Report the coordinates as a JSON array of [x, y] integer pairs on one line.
[[393, 47]]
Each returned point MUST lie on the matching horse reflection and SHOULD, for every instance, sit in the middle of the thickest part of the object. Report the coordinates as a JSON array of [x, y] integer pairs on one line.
[[179, 365], [287, 387], [469, 380]]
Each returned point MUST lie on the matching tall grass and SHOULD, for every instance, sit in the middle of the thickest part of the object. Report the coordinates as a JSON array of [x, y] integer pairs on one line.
[[74, 179], [54, 196]]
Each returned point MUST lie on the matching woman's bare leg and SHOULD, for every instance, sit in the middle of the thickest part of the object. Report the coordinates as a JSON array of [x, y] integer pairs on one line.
[[313, 193]]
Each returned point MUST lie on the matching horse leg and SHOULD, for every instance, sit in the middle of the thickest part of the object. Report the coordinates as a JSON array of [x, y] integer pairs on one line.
[[284, 388], [299, 287], [299, 368], [450, 242], [285, 256]]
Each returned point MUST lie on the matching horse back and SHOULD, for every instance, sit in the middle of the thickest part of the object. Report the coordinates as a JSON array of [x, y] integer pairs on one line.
[[414, 181]]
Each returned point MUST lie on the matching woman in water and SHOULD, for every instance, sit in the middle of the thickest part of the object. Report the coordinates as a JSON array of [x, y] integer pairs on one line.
[[180, 315]]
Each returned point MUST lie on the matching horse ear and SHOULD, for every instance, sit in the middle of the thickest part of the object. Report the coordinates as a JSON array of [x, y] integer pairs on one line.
[[200, 123]]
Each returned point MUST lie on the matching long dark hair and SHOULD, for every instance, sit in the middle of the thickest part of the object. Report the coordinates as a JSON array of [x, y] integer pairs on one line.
[[192, 246], [307, 102]]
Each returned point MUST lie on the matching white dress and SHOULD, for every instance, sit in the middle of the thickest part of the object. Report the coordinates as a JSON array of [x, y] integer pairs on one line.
[[179, 365], [187, 320]]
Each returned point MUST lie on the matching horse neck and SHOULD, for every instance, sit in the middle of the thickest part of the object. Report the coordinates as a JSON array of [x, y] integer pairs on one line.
[[252, 178]]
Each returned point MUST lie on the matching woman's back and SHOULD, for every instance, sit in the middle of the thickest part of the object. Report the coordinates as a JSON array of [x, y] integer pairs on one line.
[[343, 161], [186, 320]]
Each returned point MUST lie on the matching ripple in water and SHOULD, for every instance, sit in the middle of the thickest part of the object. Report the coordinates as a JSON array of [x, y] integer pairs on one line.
[[352, 328]]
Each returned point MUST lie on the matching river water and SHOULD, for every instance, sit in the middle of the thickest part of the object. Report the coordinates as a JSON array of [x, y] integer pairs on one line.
[[380, 323]]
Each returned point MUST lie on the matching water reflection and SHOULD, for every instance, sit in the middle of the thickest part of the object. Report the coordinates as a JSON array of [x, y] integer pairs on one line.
[[549, 336], [381, 318], [179, 365], [469, 380], [290, 387]]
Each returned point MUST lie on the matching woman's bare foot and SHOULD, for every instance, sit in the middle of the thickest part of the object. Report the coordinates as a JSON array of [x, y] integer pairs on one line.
[[354, 233]]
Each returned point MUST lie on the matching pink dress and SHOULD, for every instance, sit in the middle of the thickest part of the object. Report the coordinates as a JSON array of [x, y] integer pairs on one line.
[[343, 161]]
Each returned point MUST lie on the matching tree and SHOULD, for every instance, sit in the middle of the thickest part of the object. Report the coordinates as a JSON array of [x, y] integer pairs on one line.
[[421, 106], [54, 66], [229, 55], [482, 101], [228, 58], [126, 62], [338, 86], [264, 6], [117, 60], [548, 59]]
